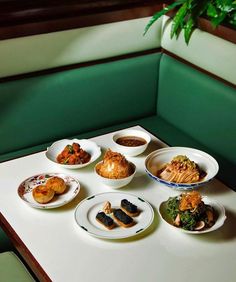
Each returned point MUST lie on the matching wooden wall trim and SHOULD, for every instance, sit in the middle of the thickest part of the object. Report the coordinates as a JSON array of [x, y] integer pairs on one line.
[[24, 18], [222, 31], [37, 17], [198, 68]]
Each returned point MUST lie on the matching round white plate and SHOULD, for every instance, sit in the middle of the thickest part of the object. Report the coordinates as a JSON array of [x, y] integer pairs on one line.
[[218, 208], [86, 211], [26, 187], [158, 158], [57, 147]]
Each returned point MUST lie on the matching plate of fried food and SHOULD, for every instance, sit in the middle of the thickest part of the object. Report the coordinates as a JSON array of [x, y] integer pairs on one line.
[[114, 215], [48, 190], [73, 154], [191, 213], [181, 168], [115, 170]]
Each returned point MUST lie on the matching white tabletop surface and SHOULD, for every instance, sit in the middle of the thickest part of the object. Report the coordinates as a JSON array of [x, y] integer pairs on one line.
[[67, 253]]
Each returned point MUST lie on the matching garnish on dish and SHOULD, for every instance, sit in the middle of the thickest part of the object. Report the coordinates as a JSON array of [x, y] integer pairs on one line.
[[114, 166], [73, 154], [181, 170], [107, 208], [189, 212]]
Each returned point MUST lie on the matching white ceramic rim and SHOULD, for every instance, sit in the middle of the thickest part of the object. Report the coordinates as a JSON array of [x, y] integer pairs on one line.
[[131, 132], [94, 154], [93, 204], [219, 222], [61, 201], [181, 185]]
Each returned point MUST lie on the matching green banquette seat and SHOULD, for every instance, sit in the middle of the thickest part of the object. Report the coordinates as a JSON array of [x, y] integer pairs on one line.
[[178, 103], [12, 269]]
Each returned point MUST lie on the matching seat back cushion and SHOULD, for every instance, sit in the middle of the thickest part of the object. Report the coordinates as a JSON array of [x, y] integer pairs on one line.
[[202, 107], [48, 107]]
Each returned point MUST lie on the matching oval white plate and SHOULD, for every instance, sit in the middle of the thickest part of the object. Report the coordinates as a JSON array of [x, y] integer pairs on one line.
[[86, 211], [26, 187], [219, 209], [89, 146], [158, 158]]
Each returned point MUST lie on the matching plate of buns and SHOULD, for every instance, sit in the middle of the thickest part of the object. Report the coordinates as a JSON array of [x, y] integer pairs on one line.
[[114, 215], [48, 190]]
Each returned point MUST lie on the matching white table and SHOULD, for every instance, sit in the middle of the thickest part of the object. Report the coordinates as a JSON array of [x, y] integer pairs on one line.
[[67, 253]]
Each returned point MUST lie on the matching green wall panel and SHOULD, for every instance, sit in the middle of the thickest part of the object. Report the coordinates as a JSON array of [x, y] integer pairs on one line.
[[199, 105], [48, 107]]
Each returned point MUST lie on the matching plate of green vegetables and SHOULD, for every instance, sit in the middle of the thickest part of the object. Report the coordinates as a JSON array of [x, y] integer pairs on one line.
[[191, 213]]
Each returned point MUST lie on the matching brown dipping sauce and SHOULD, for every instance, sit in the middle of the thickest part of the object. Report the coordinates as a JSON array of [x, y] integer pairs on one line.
[[131, 141]]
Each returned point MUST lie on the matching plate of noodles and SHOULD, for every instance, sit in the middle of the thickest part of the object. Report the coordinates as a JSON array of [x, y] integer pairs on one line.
[[181, 168]]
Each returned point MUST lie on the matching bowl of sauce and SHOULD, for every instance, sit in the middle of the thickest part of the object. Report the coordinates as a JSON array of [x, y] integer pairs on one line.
[[131, 142]]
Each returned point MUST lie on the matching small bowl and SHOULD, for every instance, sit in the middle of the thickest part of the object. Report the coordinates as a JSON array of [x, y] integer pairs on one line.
[[158, 158], [134, 150], [112, 182], [56, 148], [218, 208]]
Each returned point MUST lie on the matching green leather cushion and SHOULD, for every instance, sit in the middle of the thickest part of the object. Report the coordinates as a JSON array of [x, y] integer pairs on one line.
[[41, 109], [202, 108], [12, 269]]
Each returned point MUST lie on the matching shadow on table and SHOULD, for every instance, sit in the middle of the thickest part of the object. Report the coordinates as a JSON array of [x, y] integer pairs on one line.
[[73, 204], [226, 233], [153, 146], [214, 187]]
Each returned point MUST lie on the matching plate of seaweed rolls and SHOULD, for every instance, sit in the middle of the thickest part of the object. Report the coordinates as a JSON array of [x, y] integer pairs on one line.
[[114, 215]]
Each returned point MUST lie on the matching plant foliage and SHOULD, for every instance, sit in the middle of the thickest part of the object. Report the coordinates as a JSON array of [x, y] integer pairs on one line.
[[188, 11]]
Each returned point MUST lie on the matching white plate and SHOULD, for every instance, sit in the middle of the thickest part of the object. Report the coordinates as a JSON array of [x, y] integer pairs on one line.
[[158, 158], [218, 208], [26, 187], [57, 147], [86, 211]]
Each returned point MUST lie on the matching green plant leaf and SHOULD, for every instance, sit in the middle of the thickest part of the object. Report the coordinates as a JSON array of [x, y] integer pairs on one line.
[[200, 8], [212, 11], [192, 4], [178, 19], [225, 5], [216, 21], [197, 9], [157, 15], [189, 27], [232, 19]]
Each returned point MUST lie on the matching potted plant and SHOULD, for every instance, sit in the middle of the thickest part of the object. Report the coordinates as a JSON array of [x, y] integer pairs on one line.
[[189, 11]]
